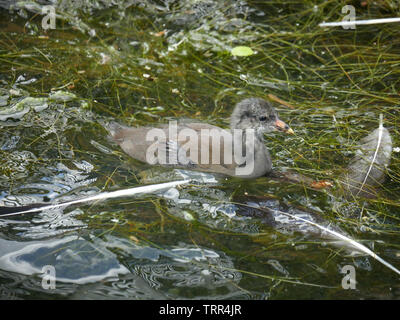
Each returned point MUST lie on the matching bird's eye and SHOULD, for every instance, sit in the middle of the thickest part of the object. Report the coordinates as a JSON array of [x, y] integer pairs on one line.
[[262, 118]]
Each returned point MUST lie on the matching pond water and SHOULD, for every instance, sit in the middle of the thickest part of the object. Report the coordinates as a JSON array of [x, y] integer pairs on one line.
[[148, 62]]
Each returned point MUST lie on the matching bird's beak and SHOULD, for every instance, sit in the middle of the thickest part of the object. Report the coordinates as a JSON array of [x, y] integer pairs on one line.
[[281, 126]]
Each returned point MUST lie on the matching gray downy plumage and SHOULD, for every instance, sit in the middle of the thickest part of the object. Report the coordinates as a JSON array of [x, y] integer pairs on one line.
[[252, 113], [366, 170]]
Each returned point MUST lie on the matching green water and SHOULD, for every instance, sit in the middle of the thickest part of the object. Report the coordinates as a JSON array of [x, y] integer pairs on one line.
[[148, 62]]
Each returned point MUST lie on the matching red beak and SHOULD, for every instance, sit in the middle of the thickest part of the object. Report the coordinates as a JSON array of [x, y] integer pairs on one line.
[[281, 126]]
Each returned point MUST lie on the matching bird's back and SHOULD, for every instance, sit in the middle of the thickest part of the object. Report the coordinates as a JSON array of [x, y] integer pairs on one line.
[[206, 147]]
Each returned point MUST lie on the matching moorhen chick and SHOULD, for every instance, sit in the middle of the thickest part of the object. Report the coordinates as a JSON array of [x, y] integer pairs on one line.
[[242, 152]]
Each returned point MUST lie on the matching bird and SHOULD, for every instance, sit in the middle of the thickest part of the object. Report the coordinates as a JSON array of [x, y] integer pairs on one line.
[[239, 152]]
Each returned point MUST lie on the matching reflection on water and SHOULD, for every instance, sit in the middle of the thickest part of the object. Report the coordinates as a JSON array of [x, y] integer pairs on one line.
[[75, 260], [145, 272]]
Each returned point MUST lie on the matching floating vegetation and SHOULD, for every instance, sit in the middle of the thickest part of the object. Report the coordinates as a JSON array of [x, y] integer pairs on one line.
[[242, 51]]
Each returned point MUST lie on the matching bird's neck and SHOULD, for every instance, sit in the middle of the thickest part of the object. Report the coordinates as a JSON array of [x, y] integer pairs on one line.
[[254, 151], [258, 138]]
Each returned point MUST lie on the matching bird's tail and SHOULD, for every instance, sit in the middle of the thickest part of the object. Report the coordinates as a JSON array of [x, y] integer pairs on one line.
[[114, 129]]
